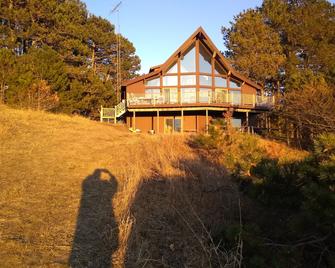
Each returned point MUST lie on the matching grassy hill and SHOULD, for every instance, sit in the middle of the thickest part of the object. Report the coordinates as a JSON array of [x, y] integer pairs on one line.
[[78, 192]]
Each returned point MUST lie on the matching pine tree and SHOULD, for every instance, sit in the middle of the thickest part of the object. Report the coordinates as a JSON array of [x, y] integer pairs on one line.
[[7, 61], [307, 30], [59, 42], [254, 47], [291, 43]]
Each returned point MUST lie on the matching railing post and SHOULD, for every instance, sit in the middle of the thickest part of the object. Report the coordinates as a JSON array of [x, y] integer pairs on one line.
[[206, 121], [101, 113], [134, 121], [115, 107], [182, 121], [157, 125], [180, 96]]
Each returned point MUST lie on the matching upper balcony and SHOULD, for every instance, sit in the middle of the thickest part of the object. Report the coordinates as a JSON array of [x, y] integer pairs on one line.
[[200, 98]]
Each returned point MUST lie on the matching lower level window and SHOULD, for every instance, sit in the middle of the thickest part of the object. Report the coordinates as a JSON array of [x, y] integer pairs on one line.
[[172, 125], [236, 122]]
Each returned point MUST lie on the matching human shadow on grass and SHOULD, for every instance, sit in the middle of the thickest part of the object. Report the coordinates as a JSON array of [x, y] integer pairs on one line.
[[173, 216], [96, 234]]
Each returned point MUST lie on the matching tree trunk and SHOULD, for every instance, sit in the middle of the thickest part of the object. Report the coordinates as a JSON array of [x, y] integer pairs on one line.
[[93, 60], [2, 93]]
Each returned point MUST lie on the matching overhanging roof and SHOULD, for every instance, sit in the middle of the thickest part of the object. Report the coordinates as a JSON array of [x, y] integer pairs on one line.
[[205, 38]]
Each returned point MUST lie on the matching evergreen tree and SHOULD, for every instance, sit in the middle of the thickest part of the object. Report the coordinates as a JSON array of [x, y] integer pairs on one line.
[[292, 43], [57, 41], [254, 47], [307, 31], [7, 61]]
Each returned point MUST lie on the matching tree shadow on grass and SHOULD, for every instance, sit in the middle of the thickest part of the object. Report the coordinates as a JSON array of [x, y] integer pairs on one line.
[[96, 234]]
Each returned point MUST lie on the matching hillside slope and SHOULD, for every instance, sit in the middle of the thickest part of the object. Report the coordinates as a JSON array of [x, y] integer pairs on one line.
[[69, 185], [85, 194]]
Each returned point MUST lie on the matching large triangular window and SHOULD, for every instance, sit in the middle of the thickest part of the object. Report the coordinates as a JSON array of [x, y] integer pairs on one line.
[[187, 62], [205, 65], [219, 70], [173, 69]]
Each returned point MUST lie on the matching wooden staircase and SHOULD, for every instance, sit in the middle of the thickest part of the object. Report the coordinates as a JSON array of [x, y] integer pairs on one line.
[[112, 114]]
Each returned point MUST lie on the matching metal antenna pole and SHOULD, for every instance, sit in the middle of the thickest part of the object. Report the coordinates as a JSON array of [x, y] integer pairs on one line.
[[118, 53]]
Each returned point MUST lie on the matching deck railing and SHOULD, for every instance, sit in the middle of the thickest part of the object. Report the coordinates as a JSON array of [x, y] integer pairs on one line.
[[120, 109], [202, 98]]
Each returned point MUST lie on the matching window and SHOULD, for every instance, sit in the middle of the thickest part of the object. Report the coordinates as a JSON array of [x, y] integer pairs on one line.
[[235, 84], [188, 95], [205, 80], [205, 65], [205, 95], [171, 80], [170, 95], [172, 125], [153, 83], [219, 70], [152, 93], [177, 124], [236, 122], [188, 80], [173, 69], [221, 95], [187, 62], [220, 82], [235, 97]]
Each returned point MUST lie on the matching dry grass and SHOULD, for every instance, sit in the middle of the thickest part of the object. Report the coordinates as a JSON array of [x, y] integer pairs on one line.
[[276, 150], [165, 196], [160, 206]]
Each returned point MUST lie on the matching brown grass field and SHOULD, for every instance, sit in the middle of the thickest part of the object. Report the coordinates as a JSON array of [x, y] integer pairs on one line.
[[84, 194]]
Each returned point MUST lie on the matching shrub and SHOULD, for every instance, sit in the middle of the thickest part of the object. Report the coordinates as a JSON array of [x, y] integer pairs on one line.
[[301, 194], [235, 150], [292, 223]]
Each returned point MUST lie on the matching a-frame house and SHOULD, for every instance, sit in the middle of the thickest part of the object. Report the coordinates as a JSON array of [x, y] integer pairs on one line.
[[193, 86]]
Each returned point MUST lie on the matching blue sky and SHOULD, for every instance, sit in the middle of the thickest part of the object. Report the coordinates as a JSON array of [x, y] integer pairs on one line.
[[158, 28]]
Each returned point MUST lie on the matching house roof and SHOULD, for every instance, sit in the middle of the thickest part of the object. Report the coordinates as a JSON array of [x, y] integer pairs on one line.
[[155, 70]]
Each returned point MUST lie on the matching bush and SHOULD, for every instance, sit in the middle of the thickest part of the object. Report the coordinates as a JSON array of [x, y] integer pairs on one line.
[[301, 194], [235, 150], [292, 223]]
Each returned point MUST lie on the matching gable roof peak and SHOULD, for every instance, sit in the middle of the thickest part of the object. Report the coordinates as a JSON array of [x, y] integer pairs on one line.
[[210, 45]]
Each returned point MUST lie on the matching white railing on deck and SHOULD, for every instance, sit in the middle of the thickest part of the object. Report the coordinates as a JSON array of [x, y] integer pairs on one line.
[[224, 98], [112, 114], [120, 109]]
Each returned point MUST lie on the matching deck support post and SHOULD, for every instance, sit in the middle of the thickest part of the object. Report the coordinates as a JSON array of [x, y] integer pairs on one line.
[[247, 121], [134, 120], [101, 113], [206, 121], [157, 122], [114, 115], [182, 121]]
